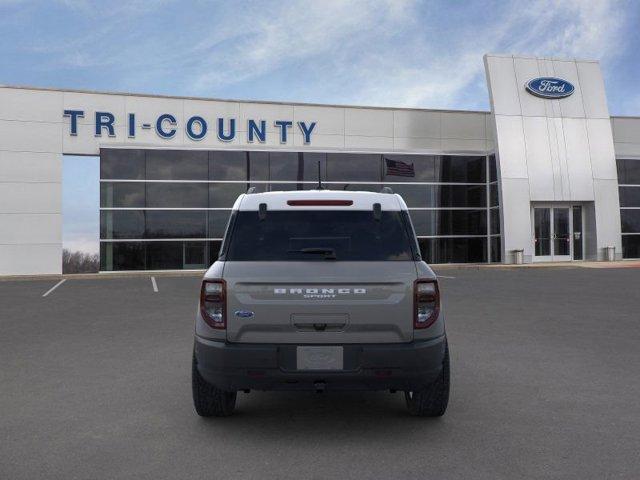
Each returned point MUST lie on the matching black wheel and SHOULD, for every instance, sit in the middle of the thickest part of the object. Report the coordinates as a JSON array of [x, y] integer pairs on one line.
[[208, 400], [432, 400]]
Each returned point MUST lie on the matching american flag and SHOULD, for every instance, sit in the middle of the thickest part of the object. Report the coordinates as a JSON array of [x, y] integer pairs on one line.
[[399, 169]]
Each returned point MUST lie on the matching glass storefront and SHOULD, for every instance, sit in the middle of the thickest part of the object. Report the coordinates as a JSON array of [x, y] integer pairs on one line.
[[629, 189], [167, 209]]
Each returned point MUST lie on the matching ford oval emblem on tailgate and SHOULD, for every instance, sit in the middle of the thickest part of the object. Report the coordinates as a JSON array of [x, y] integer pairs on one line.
[[243, 314]]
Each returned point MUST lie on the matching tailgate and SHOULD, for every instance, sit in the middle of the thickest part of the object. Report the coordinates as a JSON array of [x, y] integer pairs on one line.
[[320, 302]]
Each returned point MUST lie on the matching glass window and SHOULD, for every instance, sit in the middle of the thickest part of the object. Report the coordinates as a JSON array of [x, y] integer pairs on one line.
[[214, 250], [496, 250], [351, 187], [121, 224], [224, 195], [285, 166], [493, 169], [195, 255], [296, 166], [630, 246], [429, 196], [176, 224], [630, 221], [122, 163], [628, 171], [177, 195], [414, 195], [128, 195], [259, 187], [409, 168], [122, 256], [495, 220], [228, 165], [258, 166], [356, 167], [285, 187], [629, 196], [165, 255], [454, 250], [310, 164], [449, 222], [494, 199], [319, 235], [218, 222], [461, 169], [177, 165]]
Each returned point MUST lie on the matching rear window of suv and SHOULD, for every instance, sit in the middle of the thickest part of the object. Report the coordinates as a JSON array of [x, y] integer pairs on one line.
[[309, 235]]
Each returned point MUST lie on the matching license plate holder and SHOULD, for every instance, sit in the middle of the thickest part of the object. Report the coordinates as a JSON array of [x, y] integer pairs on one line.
[[319, 357]]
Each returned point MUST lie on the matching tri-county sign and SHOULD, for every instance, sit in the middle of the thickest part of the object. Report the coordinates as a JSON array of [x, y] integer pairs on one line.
[[196, 127], [549, 87]]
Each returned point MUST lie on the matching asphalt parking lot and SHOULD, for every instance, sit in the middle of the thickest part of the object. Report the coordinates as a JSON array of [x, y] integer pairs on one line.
[[95, 383]]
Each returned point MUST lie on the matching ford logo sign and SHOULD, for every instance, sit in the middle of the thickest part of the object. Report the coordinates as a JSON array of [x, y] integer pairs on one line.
[[549, 87], [243, 313]]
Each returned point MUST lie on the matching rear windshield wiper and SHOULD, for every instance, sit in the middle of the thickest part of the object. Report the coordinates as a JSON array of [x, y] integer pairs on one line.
[[329, 253]]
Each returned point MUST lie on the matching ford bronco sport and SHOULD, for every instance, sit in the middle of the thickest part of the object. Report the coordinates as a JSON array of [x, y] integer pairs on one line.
[[320, 290]]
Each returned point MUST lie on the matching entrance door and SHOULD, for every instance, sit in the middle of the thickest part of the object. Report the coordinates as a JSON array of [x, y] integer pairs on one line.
[[561, 251], [542, 234], [557, 232]]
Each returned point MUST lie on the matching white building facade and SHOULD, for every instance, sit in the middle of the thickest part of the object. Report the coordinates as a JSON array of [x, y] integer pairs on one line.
[[547, 174]]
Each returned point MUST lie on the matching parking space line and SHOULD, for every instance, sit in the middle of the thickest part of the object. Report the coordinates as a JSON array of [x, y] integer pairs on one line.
[[154, 284], [54, 287], [444, 276]]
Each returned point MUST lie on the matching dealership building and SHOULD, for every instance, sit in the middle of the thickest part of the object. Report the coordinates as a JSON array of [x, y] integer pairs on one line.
[[546, 175]]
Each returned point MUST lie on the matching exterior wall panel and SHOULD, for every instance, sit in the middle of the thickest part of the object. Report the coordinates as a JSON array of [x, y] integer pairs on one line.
[[30, 259], [24, 229], [30, 197], [30, 167], [538, 157]]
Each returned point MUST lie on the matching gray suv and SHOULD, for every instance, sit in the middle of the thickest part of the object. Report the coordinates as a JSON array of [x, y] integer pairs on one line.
[[320, 290]]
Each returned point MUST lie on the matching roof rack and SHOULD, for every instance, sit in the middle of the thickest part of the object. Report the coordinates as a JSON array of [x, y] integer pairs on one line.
[[386, 190]]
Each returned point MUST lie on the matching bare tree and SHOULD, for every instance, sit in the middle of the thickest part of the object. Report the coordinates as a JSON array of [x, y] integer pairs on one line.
[[80, 262]]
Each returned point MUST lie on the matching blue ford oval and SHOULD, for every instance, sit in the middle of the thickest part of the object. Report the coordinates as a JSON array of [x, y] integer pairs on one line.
[[243, 313], [549, 87]]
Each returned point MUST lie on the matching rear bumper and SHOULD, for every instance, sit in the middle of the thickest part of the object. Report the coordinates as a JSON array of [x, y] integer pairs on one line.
[[233, 366]]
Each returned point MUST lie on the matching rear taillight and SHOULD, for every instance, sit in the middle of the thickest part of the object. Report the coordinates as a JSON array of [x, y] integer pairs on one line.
[[213, 296], [426, 303]]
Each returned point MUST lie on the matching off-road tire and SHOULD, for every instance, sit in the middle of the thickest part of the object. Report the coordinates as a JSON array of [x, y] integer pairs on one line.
[[208, 400], [432, 400]]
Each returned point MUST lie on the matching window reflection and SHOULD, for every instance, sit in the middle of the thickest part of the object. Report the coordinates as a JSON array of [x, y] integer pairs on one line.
[[228, 165], [122, 224], [218, 222], [358, 167], [176, 165], [283, 171], [449, 222], [128, 195], [224, 195], [125, 164], [454, 250], [177, 195], [176, 224]]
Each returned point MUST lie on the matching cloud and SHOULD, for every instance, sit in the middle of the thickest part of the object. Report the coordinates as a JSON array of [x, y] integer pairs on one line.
[[379, 54], [388, 52]]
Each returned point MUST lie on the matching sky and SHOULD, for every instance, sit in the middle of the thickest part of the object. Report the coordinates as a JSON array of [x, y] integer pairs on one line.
[[400, 53]]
